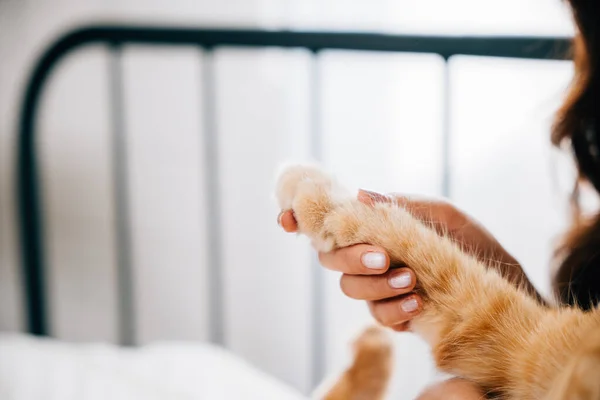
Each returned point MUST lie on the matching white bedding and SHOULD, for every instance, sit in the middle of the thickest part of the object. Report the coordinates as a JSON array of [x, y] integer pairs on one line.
[[35, 369]]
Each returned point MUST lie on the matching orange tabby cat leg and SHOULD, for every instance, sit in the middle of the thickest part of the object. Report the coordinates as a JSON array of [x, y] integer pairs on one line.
[[479, 325], [368, 377], [580, 379]]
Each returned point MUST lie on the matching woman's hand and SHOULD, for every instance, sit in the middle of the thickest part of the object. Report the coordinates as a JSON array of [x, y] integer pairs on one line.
[[469, 234], [366, 273], [366, 276]]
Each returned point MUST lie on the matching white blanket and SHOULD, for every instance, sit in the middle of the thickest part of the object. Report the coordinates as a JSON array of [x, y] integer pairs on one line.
[[36, 369]]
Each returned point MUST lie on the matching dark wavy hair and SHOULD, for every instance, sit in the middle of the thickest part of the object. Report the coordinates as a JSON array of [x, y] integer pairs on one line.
[[577, 123]]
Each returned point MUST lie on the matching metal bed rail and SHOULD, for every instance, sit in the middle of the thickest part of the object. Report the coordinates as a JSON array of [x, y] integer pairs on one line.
[[114, 37]]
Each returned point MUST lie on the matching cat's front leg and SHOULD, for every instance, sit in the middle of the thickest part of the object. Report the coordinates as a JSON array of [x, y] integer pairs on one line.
[[578, 380], [473, 319]]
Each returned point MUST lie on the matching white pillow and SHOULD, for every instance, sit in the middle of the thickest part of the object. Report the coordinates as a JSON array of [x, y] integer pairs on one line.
[[34, 369]]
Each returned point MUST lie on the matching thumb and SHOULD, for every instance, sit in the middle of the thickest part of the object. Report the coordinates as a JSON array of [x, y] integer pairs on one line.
[[421, 207], [370, 198]]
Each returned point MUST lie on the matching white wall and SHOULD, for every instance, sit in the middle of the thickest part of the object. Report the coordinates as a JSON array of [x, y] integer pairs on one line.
[[381, 124]]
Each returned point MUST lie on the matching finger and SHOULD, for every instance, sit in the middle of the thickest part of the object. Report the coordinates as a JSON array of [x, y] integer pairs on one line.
[[437, 212], [378, 287], [403, 327], [426, 209], [396, 311], [360, 259], [370, 198], [420, 207], [287, 221]]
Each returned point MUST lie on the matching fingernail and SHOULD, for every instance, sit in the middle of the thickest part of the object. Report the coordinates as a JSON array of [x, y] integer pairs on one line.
[[409, 305], [401, 281], [374, 260]]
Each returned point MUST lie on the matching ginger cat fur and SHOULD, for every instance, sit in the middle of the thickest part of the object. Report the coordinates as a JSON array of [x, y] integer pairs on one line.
[[479, 326], [368, 376]]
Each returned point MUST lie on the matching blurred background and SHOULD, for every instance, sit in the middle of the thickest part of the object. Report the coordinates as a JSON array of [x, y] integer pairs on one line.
[[381, 124]]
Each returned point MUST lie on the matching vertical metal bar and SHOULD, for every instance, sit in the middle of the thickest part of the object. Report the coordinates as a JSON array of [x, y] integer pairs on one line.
[[125, 284], [30, 213], [214, 257], [446, 132], [317, 278]]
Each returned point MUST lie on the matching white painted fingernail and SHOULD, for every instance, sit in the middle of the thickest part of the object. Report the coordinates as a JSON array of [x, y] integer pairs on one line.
[[409, 305], [373, 260], [401, 281]]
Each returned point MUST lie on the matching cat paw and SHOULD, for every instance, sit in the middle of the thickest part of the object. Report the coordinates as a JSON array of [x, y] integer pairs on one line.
[[374, 338], [312, 195], [292, 178]]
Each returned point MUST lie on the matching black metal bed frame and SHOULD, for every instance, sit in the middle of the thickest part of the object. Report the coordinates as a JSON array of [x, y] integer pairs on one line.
[[115, 37]]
